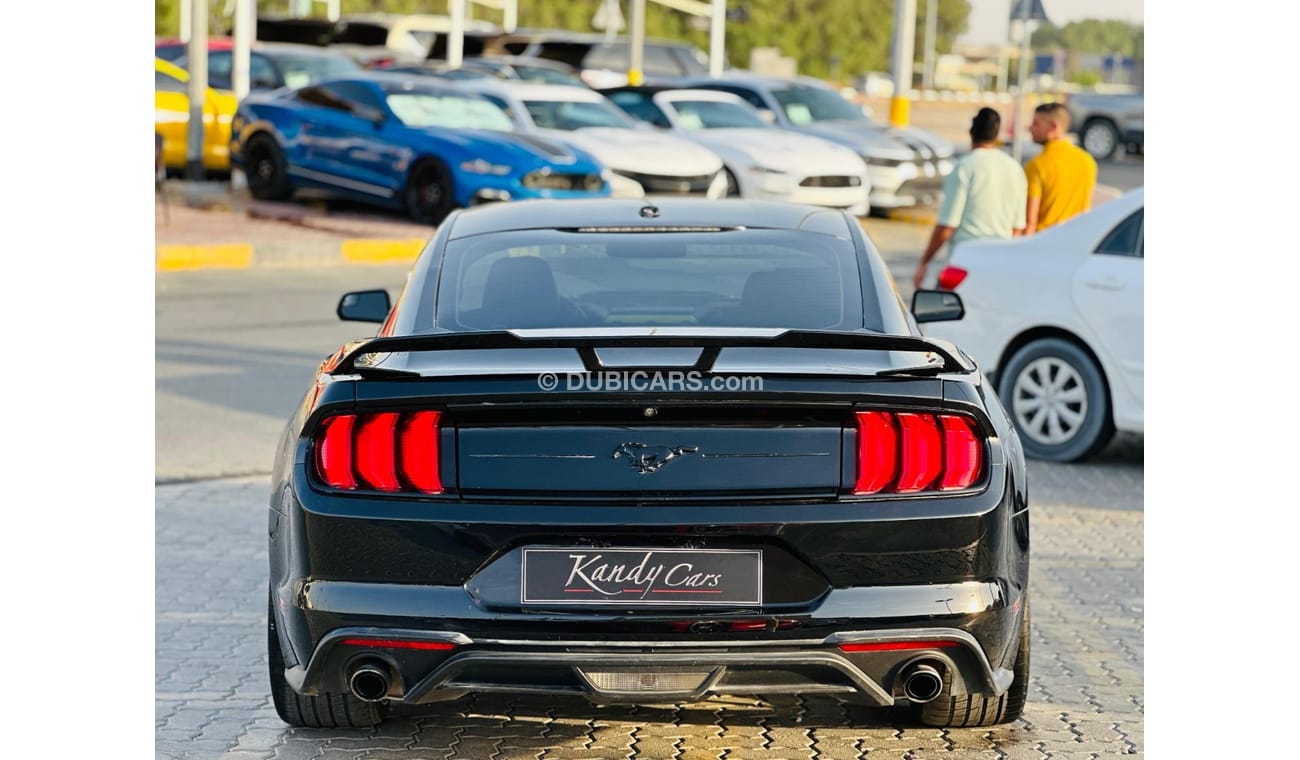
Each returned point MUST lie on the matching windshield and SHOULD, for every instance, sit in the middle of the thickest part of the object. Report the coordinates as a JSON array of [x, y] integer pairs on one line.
[[737, 278], [713, 114], [300, 71], [423, 109], [805, 105], [546, 76], [564, 114]]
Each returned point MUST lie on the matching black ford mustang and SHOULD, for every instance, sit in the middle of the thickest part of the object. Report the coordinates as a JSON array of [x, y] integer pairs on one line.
[[649, 453]]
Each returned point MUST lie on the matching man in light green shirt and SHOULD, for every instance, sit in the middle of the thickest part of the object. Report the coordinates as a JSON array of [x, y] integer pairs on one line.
[[983, 197]]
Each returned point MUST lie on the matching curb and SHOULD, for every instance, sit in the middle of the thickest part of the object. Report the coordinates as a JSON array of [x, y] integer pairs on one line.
[[927, 217], [355, 251]]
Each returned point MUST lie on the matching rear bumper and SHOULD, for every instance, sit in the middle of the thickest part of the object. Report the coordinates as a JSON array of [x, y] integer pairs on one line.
[[649, 670]]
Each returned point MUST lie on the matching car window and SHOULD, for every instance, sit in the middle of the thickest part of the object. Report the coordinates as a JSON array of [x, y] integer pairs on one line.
[[544, 75], [261, 72], [319, 96], [302, 70], [805, 105], [354, 92], [749, 96], [1126, 238], [692, 60], [168, 83], [713, 114], [563, 114], [640, 106], [219, 69], [660, 61], [429, 109], [554, 278], [612, 56]]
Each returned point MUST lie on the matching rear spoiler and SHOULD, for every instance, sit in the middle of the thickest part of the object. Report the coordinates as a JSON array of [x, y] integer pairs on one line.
[[711, 343]]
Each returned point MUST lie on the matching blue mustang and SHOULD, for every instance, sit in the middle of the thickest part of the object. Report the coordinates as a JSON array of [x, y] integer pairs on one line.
[[402, 143]]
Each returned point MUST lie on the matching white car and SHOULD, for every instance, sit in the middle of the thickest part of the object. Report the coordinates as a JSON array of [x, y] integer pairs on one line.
[[1055, 321], [642, 161], [761, 161]]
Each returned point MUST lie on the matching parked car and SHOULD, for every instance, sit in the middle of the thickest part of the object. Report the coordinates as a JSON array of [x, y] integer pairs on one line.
[[535, 70], [273, 65], [171, 103], [413, 35], [602, 62], [642, 161], [1056, 321], [402, 143], [761, 160], [1105, 123], [906, 167], [463, 504]]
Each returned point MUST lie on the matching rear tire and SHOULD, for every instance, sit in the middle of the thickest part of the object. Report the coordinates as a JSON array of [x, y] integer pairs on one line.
[[265, 169], [1057, 399], [967, 711], [327, 710], [1100, 138]]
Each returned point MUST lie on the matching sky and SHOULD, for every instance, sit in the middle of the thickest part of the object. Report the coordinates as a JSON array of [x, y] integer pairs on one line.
[[988, 18]]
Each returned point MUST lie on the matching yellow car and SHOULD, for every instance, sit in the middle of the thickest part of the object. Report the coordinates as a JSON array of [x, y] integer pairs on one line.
[[172, 117]]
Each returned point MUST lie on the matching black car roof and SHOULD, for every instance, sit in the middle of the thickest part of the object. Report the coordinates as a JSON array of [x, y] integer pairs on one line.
[[672, 212]]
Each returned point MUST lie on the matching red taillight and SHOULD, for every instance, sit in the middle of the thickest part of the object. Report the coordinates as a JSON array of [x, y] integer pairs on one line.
[[438, 646], [384, 451], [961, 453], [895, 646], [951, 277], [334, 451], [877, 451], [912, 452], [419, 446], [376, 451]]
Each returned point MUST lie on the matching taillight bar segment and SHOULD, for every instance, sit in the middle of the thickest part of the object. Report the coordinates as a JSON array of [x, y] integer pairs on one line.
[[381, 451], [916, 452], [898, 646]]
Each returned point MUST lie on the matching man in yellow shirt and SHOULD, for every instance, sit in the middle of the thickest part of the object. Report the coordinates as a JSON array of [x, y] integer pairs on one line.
[[1061, 178]]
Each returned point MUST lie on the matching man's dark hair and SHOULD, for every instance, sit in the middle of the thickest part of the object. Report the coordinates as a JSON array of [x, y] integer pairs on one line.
[[1057, 112], [985, 126]]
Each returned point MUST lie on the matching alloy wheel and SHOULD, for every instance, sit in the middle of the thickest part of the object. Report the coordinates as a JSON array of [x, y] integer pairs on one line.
[[1050, 401]]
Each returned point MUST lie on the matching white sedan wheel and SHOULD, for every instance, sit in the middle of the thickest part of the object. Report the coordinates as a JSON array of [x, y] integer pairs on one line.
[[1058, 400], [1050, 402]]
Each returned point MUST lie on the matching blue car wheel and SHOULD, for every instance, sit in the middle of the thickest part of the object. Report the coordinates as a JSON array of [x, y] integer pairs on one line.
[[429, 192]]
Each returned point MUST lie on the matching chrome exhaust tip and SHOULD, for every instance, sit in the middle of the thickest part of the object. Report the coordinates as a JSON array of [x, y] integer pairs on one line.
[[922, 683], [369, 682]]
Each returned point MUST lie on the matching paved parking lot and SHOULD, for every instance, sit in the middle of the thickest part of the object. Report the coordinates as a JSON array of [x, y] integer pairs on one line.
[[1085, 700]]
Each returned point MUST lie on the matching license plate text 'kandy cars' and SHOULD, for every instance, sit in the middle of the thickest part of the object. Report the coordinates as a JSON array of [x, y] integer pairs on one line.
[[678, 577]]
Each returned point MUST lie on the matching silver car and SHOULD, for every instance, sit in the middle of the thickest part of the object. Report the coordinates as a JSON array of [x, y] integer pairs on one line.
[[906, 166]]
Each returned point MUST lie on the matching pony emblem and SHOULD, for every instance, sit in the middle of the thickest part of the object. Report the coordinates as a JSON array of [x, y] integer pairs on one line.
[[649, 459]]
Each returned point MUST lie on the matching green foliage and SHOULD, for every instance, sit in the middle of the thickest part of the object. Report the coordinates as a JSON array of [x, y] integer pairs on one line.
[[1091, 36], [857, 32]]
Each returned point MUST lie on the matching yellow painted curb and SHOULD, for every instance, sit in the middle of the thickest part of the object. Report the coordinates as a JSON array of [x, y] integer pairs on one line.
[[365, 251], [914, 217], [172, 258]]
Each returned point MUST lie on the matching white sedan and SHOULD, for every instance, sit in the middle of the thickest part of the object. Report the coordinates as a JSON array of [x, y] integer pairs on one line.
[[1055, 321], [762, 161], [642, 161]]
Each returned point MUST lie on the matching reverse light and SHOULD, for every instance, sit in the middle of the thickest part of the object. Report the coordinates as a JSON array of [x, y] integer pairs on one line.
[[951, 277], [916, 452], [385, 451]]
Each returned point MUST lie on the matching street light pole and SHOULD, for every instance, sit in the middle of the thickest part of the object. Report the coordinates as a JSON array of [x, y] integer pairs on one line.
[[717, 27], [197, 62], [243, 34], [456, 37], [904, 49], [636, 44], [931, 30], [1016, 143]]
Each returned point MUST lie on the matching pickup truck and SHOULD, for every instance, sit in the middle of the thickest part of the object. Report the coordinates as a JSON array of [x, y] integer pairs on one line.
[[1105, 122]]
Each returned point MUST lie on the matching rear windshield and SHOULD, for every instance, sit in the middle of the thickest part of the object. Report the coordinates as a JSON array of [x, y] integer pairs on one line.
[[300, 71], [744, 278]]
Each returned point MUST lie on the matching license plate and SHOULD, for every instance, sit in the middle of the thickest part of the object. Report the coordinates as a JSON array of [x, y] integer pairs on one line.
[[642, 577]]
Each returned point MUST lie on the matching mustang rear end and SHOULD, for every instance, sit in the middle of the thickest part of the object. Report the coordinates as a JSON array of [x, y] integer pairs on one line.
[[563, 509]]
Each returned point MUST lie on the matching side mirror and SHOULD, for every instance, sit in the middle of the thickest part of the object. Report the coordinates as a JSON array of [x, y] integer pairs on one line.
[[364, 306], [937, 306]]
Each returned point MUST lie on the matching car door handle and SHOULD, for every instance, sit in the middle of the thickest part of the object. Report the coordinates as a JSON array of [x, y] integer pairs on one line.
[[1105, 283]]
